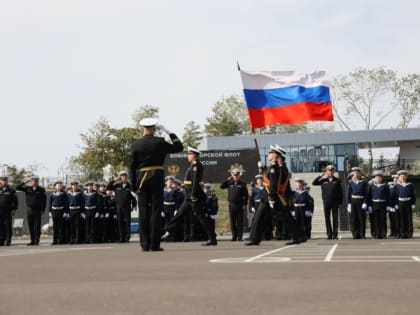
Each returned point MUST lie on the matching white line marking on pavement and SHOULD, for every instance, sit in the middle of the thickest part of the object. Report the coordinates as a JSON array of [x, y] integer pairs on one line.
[[331, 253], [416, 258], [46, 251], [268, 253]]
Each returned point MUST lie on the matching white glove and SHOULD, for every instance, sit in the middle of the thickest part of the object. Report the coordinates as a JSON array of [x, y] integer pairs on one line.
[[64, 215], [162, 127], [392, 210], [115, 217], [49, 214], [388, 209], [364, 206], [106, 215], [96, 215], [413, 207], [67, 215], [370, 209], [253, 210], [213, 216], [175, 212], [271, 203], [260, 164], [101, 216], [396, 207], [308, 213], [83, 215], [162, 214], [293, 213], [349, 208]]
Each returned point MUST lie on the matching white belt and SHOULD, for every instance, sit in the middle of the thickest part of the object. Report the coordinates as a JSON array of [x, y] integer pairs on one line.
[[257, 200], [74, 207], [57, 208], [404, 199], [169, 203], [378, 200], [90, 208], [299, 204], [357, 197]]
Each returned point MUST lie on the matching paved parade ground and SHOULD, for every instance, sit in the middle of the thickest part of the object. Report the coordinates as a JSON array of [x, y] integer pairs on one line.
[[318, 277]]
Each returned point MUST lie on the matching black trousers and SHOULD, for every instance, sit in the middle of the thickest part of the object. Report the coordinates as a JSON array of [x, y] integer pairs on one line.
[[372, 223], [76, 230], [197, 208], [34, 225], [358, 219], [406, 219], [299, 225], [236, 215], [90, 227], [258, 226], [331, 209], [394, 222], [124, 218], [187, 221], [282, 221], [379, 211], [5, 226], [58, 226], [308, 227]]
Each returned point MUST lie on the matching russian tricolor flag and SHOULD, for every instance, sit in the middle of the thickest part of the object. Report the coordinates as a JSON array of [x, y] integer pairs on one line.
[[286, 97]]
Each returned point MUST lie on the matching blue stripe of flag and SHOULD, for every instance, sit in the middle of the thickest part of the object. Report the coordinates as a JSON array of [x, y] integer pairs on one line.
[[286, 96]]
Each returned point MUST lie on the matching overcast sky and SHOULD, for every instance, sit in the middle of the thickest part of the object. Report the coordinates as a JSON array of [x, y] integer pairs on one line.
[[63, 64]]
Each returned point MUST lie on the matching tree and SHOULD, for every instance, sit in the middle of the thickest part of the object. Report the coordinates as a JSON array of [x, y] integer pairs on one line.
[[229, 118], [192, 135], [145, 111], [363, 99], [16, 175], [120, 147], [363, 96], [407, 94]]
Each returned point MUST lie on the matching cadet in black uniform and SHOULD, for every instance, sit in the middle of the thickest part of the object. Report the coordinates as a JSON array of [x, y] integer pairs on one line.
[[8, 204], [300, 205], [257, 194], [111, 233], [194, 198], [332, 197], [238, 200], [36, 202], [76, 213], [379, 200], [404, 199], [58, 209], [93, 209], [125, 203], [393, 213], [309, 212], [276, 181], [356, 203], [212, 207], [147, 156]]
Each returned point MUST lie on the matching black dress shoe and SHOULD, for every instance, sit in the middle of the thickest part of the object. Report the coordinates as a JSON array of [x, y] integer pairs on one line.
[[292, 243], [251, 243], [8, 243], [233, 240], [30, 244], [210, 243], [160, 249]]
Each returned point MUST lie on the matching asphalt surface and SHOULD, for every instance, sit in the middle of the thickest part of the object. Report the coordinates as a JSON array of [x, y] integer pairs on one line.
[[318, 277]]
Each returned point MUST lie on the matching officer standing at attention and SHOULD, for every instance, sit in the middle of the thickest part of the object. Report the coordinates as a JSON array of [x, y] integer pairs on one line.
[[8, 204], [36, 202], [58, 210], [147, 157], [404, 199], [194, 198], [93, 209], [356, 203], [76, 213], [276, 181], [125, 203], [238, 200], [332, 197], [379, 200]]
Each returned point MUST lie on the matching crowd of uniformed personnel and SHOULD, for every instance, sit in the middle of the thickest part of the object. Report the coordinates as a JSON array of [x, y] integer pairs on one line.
[[186, 210]]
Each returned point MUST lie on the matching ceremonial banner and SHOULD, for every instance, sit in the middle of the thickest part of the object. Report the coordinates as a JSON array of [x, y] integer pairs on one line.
[[286, 97]]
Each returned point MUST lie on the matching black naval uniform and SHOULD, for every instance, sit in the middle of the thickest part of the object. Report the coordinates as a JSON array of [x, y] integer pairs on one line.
[[332, 197], [8, 203], [308, 217], [76, 210], [212, 207], [270, 201], [194, 201], [147, 156], [111, 232], [125, 202], [36, 202], [59, 208], [404, 199], [238, 199], [93, 205], [379, 199], [357, 197], [300, 204]]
